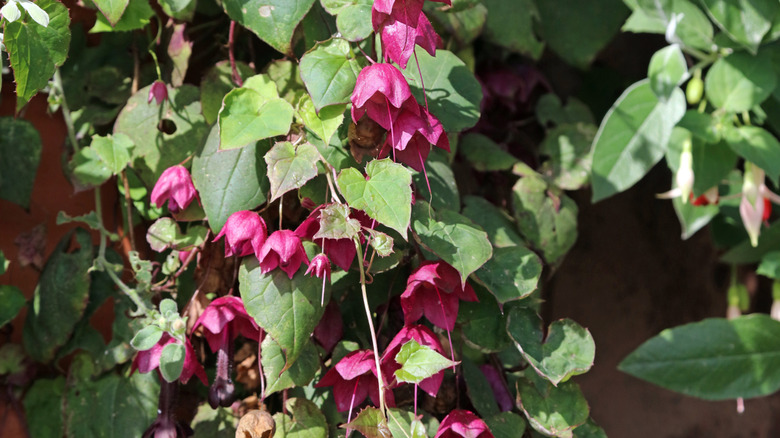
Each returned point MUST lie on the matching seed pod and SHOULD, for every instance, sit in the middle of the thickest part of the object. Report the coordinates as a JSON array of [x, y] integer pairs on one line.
[[256, 424], [694, 90]]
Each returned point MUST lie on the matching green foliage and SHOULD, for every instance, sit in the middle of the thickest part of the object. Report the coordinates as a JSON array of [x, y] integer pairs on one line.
[[20, 146]]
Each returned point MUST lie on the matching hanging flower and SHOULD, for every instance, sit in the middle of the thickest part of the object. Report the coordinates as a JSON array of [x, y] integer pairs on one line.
[[245, 232], [148, 360], [340, 251], [158, 92], [464, 424], [413, 134], [319, 267], [174, 186], [330, 329], [401, 24], [282, 249], [755, 206], [381, 91], [166, 426], [222, 321], [353, 379], [423, 336], [434, 289]]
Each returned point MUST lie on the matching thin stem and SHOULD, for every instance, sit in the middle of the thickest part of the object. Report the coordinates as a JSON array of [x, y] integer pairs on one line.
[[281, 204], [334, 196], [371, 326], [128, 210], [66, 111], [422, 83], [231, 43]]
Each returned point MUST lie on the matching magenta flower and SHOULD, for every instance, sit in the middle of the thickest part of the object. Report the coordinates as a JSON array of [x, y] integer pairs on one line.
[[158, 92], [175, 186], [381, 91], [399, 38], [223, 320], [282, 249], [424, 336], [341, 251], [319, 267], [330, 329], [353, 379], [245, 232], [148, 360], [413, 134], [464, 424], [166, 426], [434, 290]]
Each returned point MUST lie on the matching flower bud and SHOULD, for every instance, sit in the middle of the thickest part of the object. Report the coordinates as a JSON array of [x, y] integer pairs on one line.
[[319, 267], [158, 92], [684, 176], [175, 186]]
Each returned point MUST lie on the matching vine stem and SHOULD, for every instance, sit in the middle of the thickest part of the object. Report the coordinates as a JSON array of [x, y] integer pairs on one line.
[[231, 43], [371, 326], [66, 111]]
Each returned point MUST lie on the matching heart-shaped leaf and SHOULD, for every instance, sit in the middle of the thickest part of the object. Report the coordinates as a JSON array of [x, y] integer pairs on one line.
[[287, 309], [248, 116], [290, 166], [307, 421], [553, 411], [452, 237], [330, 71], [370, 422], [568, 350], [273, 21], [20, 147], [511, 274], [385, 193], [299, 374], [418, 362]]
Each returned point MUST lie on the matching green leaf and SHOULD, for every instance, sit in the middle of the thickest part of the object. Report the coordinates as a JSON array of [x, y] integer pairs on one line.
[[511, 274], [483, 323], [632, 138], [547, 219], [335, 223], [418, 362], [550, 110], [324, 124], [290, 166], [329, 71], [746, 253], [288, 310], [273, 21], [484, 154], [229, 181], [757, 145], [589, 430], [88, 168], [20, 147], [479, 390], [385, 193], [172, 361], [454, 94], [136, 16], [112, 9], [441, 179], [353, 17], [496, 222], [248, 116], [452, 237], [510, 24], [146, 338], [216, 84], [36, 51], [92, 406], [744, 21], [214, 423], [714, 359], [567, 351], [693, 30], [11, 302], [667, 70], [307, 421], [370, 422], [506, 425], [299, 374], [105, 157], [693, 218], [60, 297], [702, 125], [578, 31], [42, 405], [740, 81], [165, 233], [568, 147], [156, 149], [553, 411], [770, 265], [404, 424], [4, 262], [179, 9]]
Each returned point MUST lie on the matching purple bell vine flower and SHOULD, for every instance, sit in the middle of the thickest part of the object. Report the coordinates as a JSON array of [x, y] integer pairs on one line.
[[245, 232], [174, 186]]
